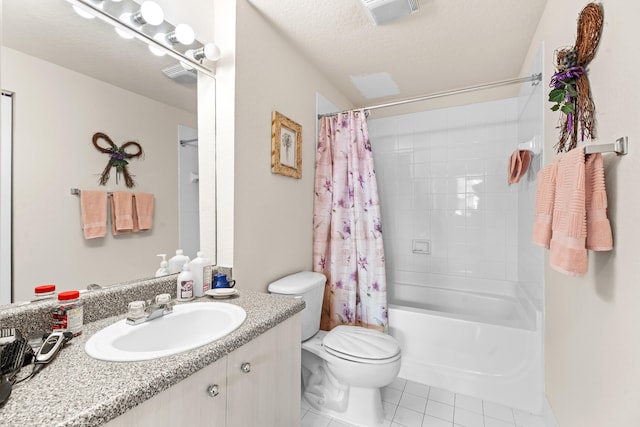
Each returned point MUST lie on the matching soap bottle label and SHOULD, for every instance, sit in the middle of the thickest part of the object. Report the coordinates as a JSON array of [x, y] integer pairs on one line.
[[186, 289], [206, 278]]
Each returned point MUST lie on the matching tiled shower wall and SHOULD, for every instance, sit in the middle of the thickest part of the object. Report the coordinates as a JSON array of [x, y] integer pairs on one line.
[[442, 178]]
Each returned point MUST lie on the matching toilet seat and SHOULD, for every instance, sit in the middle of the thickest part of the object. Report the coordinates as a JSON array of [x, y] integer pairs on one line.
[[362, 345]]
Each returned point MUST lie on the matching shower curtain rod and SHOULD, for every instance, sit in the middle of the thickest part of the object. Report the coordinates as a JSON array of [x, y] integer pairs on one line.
[[534, 79]]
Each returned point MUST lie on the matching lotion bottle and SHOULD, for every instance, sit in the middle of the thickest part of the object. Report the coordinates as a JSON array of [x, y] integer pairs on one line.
[[184, 289], [163, 270], [176, 262], [201, 269]]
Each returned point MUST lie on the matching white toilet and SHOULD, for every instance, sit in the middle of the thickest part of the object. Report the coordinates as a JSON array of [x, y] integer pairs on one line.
[[344, 369]]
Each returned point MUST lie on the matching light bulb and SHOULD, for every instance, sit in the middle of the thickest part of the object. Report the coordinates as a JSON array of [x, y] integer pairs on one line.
[[212, 52], [150, 13], [183, 34], [160, 37], [209, 51], [126, 18]]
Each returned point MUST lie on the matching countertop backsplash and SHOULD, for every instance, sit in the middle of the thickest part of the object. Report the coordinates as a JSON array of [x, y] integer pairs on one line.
[[35, 317]]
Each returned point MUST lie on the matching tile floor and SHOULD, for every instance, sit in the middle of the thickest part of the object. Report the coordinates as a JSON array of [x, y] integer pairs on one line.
[[411, 404]]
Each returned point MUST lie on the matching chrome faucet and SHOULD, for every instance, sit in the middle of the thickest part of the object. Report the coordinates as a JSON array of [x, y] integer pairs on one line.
[[141, 311]]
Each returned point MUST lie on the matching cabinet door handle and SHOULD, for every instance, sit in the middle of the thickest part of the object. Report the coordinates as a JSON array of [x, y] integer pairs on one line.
[[245, 367], [213, 390]]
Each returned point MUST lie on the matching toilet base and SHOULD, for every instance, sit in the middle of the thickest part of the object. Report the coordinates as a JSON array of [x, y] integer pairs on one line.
[[363, 407], [342, 389]]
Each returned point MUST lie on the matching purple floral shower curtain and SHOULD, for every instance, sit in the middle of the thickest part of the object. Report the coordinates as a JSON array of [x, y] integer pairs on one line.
[[347, 234]]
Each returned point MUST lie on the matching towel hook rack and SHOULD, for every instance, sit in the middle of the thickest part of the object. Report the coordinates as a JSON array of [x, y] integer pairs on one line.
[[534, 145]]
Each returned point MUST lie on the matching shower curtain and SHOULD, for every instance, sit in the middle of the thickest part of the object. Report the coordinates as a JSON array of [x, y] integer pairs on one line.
[[347, 233]]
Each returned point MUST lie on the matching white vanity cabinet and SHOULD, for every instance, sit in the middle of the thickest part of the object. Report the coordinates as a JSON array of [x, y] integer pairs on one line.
[[258, 384], [185, 404], [263, 379]]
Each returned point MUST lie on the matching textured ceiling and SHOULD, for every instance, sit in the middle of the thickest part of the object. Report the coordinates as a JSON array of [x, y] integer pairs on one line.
[[448, 44]]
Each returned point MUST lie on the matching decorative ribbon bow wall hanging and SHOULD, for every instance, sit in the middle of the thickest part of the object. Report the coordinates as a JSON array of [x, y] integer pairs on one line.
[[118, 157], [570, 85]]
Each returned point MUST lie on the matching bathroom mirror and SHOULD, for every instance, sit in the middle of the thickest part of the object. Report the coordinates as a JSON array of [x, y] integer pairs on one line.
[[72, 77]]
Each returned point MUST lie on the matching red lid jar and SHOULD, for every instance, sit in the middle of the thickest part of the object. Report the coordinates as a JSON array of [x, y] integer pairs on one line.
[[44, 292], [45, 289], [68, 295], [69, 313]]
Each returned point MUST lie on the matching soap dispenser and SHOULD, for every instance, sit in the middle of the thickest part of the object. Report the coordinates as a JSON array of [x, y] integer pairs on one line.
[[184, 290], [177, 261], [163, 270], [201, 269]]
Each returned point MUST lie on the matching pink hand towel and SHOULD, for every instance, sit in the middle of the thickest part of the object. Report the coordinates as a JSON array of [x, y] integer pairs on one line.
[[599, 237], [545, 195], [518, 165], [525, 160], [121, 212], [568, 253], [512, 167], [144, 210], [93, 207]]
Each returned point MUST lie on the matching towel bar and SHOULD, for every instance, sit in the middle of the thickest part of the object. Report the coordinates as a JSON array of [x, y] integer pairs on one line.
[[620, 147], [76, 192]]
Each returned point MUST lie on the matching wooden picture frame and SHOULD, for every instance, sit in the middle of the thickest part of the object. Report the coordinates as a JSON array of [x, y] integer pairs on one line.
[[286, 146]]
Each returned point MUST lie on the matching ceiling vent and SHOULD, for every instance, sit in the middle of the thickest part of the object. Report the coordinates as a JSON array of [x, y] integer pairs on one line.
[[383, 11], [180, 74]]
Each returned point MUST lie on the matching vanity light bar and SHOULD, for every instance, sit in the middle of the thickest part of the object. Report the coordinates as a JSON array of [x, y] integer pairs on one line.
[[87, 5]]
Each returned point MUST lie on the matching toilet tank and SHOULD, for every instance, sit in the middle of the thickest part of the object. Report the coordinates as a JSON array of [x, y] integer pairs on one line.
[[310, 286]]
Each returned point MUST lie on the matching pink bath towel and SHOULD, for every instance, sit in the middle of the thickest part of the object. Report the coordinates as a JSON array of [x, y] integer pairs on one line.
[[144, 210], [568, 253], [121, 212], [599, 236], [571, 211], [545, 196], [93, 206]]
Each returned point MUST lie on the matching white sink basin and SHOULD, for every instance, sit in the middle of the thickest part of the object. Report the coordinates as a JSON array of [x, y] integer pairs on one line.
[[189, 326]]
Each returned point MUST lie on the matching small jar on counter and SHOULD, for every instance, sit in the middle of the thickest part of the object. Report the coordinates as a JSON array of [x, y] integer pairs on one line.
[[44, 292], [69, 313]]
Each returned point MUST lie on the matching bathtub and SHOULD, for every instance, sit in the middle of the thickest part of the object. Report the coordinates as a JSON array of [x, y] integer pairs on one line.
[[484, 345]]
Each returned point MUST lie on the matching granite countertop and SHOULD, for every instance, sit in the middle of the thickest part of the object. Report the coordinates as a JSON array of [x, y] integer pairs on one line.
[[77, 390]]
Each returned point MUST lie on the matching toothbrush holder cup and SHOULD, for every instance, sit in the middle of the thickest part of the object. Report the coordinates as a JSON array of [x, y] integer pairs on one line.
[[221, 281]]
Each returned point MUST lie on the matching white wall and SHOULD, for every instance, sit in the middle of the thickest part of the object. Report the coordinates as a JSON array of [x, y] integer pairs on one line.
[[593, 322], [442, 176], [271, 214], [56, 113]]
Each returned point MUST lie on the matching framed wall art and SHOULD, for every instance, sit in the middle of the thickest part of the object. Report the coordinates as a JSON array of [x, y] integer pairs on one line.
[[286, 146]]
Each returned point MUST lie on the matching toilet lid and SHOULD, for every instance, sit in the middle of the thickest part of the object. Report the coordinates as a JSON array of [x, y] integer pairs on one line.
[[358, 343]]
